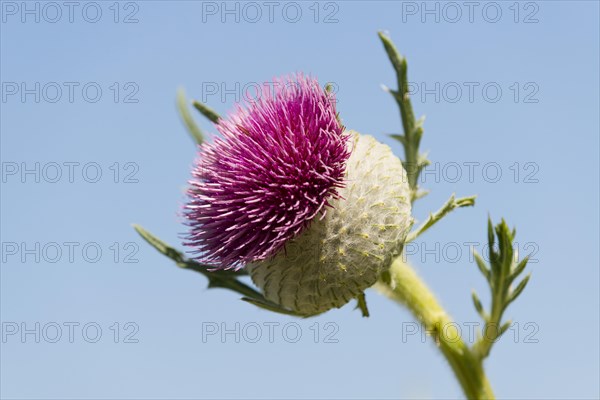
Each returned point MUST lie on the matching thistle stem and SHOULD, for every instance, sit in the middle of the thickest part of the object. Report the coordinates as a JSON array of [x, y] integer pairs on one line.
[[403, 285]]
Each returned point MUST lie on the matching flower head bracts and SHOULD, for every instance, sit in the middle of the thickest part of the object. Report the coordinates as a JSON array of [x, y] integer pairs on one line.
[[340, 256], [278, 165]]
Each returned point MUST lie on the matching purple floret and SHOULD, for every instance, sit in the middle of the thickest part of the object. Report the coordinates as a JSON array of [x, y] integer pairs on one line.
[[278, 164]]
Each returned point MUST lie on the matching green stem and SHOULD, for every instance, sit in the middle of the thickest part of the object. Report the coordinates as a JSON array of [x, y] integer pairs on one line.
[[404, 286]]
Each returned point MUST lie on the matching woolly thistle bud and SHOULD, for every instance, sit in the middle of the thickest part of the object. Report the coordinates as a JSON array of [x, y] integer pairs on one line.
[[342, 254]]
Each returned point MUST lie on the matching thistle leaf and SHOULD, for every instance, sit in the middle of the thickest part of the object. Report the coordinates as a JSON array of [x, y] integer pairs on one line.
[[226, 279], [208, 112], [503, 269], [270, 306], [519, 268], [399, 138], [504, 327], [490, 234], [192, 128], [450, 205], [161, 246], [517, 291], [478, 306], [482, 267]]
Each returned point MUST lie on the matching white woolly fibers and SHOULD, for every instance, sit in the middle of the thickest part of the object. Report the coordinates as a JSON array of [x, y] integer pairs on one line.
[[341, 255]]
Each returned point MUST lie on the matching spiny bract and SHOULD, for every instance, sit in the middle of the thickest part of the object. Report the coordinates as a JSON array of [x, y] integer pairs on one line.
[[341, 255]]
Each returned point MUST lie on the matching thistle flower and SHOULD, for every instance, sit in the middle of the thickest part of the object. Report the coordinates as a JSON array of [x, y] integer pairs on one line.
[[314, 213], [279, 164], [343, 254]]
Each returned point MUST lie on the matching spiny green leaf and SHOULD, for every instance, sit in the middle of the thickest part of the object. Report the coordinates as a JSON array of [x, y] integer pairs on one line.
[[418, 129], [234, 285], [450, 205], [517, 291], [482, 267], [501, 273], [504, 327], [505, 245], [161, 246], [193, 129], [391, 51], [478, 305], [411, 130], [180, 259], [270, 306], [519, 268], [226, 279], [490, 234], [465, 201], [208, 112], [399, 138], [420, 193], [422, 161]]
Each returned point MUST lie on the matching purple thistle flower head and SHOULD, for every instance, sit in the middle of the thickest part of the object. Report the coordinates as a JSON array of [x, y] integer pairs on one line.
[[277, 166]]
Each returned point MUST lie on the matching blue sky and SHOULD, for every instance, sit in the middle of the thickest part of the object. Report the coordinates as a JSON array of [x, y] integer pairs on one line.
[[510, 92]]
